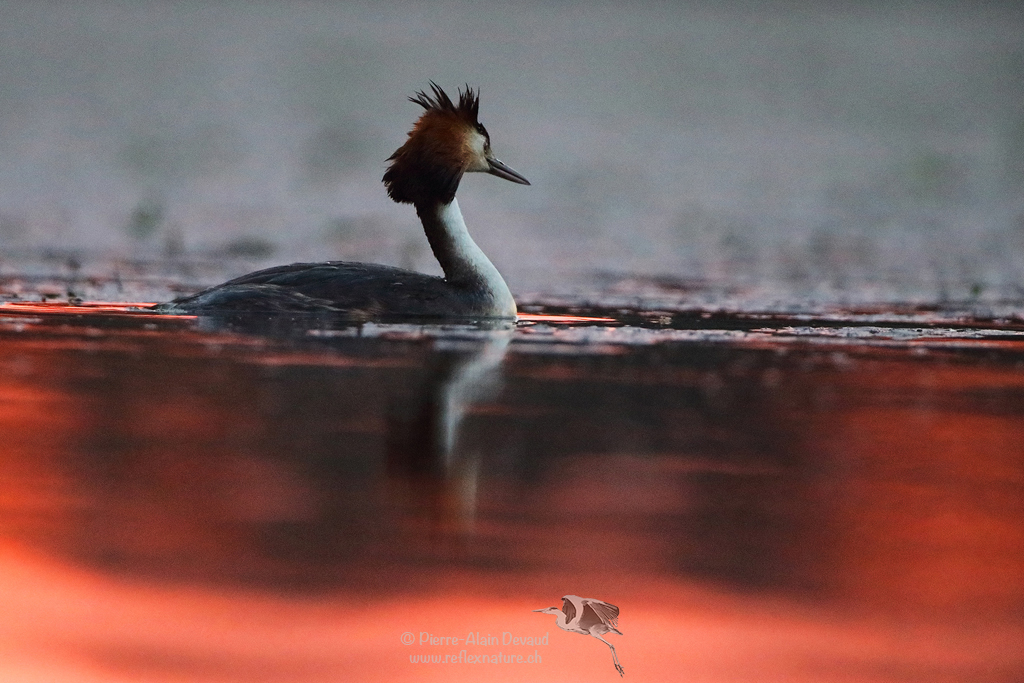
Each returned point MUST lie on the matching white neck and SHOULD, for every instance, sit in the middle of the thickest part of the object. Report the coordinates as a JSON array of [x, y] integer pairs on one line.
[[463, 262]]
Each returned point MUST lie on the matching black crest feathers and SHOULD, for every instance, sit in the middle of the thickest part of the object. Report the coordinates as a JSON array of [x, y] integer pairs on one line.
[[429, 166], [468, 108]]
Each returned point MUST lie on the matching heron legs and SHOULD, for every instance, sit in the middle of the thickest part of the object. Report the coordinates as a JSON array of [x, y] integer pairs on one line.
[[615, 657]]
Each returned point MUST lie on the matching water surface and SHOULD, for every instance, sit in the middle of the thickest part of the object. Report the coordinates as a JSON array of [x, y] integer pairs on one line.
[[833, 496]]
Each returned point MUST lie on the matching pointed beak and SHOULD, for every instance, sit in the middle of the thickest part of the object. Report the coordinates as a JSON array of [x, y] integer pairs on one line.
[[538, 610], [495, 167]]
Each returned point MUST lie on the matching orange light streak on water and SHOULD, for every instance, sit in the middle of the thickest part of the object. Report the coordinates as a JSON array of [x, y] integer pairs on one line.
[[135, 309], [549, 318]]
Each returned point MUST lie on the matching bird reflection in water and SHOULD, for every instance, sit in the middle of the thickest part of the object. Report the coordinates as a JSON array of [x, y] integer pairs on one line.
[[424, 457], [216, 464], [284, 459]]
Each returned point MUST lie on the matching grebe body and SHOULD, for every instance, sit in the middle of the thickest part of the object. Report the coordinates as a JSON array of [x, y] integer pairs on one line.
[[445, 143]]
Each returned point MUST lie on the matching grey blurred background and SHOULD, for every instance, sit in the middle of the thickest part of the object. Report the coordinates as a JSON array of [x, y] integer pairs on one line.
[[865, 150]]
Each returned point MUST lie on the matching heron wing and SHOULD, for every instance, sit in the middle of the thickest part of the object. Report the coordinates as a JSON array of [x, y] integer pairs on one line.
[[569, 609], [599, 612]]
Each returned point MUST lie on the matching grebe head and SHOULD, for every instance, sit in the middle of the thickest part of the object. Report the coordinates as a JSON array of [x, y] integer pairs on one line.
[[446, 142]]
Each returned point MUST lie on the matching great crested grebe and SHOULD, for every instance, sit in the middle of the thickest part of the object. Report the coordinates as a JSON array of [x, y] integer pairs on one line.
[[446, 142]]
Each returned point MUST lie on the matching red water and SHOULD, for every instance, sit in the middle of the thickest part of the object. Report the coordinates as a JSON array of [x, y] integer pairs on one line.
[[197, 500]]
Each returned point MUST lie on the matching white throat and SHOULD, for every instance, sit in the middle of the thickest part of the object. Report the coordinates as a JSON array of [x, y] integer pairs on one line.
[[463, 261]]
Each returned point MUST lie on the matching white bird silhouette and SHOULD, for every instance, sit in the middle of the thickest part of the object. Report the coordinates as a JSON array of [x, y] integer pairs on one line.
[[590, 617]]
